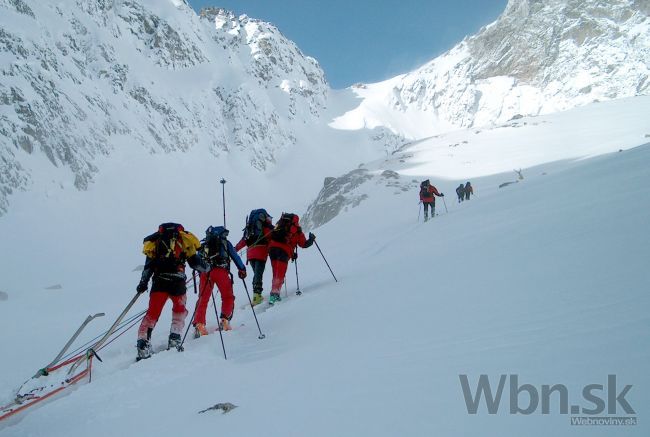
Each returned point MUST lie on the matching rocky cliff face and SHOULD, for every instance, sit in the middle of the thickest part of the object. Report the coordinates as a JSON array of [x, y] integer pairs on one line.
[[540, 56], [340, 194], [80, 78]]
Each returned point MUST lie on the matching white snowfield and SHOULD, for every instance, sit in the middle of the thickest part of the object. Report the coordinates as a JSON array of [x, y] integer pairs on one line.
[[546, 279]]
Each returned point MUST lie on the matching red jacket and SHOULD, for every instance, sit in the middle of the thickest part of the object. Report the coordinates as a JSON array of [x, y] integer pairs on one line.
[[431, 191], [259, 251]]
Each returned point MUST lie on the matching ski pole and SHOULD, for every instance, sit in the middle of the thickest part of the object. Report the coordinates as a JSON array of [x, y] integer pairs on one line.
[[84, 346], [196, 305], [445, 203], [43, 371], [324, 259], [223, 197], [102, 340], [261, 336], [298, 292], [214, 304], [419, 210]]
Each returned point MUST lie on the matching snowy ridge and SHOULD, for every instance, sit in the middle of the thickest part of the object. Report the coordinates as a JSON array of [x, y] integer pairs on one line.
[[80, 79], [579, 133], [539, 57]]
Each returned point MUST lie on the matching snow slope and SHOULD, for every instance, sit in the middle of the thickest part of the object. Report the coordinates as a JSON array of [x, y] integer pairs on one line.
[[546, 278]]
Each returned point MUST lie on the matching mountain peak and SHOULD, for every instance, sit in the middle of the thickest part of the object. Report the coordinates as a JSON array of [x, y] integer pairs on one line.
[[537, 57], [86, 79]]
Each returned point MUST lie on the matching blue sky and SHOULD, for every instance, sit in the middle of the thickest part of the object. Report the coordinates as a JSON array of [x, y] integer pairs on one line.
[[369, 40]]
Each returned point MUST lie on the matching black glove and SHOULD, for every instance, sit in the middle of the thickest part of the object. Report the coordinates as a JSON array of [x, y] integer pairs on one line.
[[442, 194], [312, 237], [242, 274], [142, 287]]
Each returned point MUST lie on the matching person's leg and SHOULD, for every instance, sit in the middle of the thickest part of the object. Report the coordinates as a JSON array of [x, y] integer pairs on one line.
[[205, 291], [258, 267], [179, 313], [157, 301], [224, 284], [279, 271]]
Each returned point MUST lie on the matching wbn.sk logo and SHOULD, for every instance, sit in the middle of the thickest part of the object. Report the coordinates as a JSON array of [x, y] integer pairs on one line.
[[597, 399]]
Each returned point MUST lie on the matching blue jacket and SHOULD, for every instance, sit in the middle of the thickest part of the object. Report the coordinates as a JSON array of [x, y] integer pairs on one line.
[[232, 253]]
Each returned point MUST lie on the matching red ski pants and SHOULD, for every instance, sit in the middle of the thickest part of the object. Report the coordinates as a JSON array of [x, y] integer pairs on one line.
[[157, 300], [279, 272], [221, 277]]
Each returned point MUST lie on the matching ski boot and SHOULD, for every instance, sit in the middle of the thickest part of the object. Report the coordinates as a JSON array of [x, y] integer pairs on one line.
[[225, 324], [199, 330], [257, 299], [174, 341], [144, 349], [275, 297]]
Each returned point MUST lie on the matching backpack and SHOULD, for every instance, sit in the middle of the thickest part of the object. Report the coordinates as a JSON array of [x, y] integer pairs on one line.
[[254, 230], [424, 188], [215, 245], [166, 247], [285, 228]]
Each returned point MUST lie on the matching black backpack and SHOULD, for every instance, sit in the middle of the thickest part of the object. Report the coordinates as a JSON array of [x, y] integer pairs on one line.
[[285, 228], [424, 188], [254, 230], [169, 247]]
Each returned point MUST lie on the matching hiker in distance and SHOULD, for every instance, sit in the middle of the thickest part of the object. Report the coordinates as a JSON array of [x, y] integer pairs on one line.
[[218, 252], [167, 251], [285, 238], [427, 193], [468, 190], [257, 234], [460, 192]]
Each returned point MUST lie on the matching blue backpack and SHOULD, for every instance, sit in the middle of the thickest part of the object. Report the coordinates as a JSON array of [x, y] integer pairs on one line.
[[254, 230], [215, 245]]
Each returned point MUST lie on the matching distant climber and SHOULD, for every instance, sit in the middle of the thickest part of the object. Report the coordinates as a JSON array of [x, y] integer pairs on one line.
[[167, 251], [460, 192], [468, 190], [427, 193]]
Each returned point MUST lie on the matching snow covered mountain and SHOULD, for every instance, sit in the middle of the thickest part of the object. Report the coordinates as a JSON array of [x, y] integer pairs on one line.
[[81, 79], [84, 82], [538, 57]]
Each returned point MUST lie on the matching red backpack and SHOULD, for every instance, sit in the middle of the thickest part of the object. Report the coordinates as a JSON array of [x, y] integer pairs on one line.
[[424, 188], [285, 228]]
